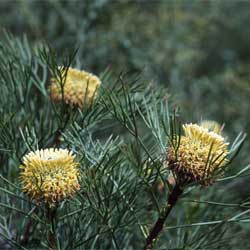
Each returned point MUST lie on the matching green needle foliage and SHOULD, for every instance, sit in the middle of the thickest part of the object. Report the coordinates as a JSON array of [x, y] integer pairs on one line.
[[120, 141]]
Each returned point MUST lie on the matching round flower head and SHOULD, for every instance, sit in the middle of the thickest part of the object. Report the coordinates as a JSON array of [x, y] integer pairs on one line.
[[50, 175], [77, 88], [200, 155]]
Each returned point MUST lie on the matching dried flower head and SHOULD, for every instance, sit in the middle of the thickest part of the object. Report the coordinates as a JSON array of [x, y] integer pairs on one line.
[[200, 155], [77, 88], [50, 175]]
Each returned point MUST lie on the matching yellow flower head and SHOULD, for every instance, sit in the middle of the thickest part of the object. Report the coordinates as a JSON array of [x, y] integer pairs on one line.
[[77, 88], [200, 155], [50, 175]]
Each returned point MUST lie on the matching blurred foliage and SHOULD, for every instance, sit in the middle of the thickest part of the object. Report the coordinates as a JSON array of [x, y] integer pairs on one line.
[[199, 50]]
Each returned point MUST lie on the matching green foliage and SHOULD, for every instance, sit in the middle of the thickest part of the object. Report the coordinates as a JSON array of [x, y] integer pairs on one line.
[[192, 48]]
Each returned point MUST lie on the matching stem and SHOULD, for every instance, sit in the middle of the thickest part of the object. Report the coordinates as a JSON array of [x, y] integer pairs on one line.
[[56, 139], [25, 238], [155, 231], [52, 239]]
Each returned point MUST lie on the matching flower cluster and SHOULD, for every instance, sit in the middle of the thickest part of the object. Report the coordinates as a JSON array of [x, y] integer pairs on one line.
[[50, 175], [77, 88], [200, 155]]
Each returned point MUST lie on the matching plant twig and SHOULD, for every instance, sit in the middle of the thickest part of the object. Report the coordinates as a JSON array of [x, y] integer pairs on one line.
[[25, 238], [155, 231], [52, 239]]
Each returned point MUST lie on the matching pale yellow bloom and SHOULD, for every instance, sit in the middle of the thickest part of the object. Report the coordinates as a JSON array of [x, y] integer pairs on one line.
[[77, 88], [50, 175], [200, 155]]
